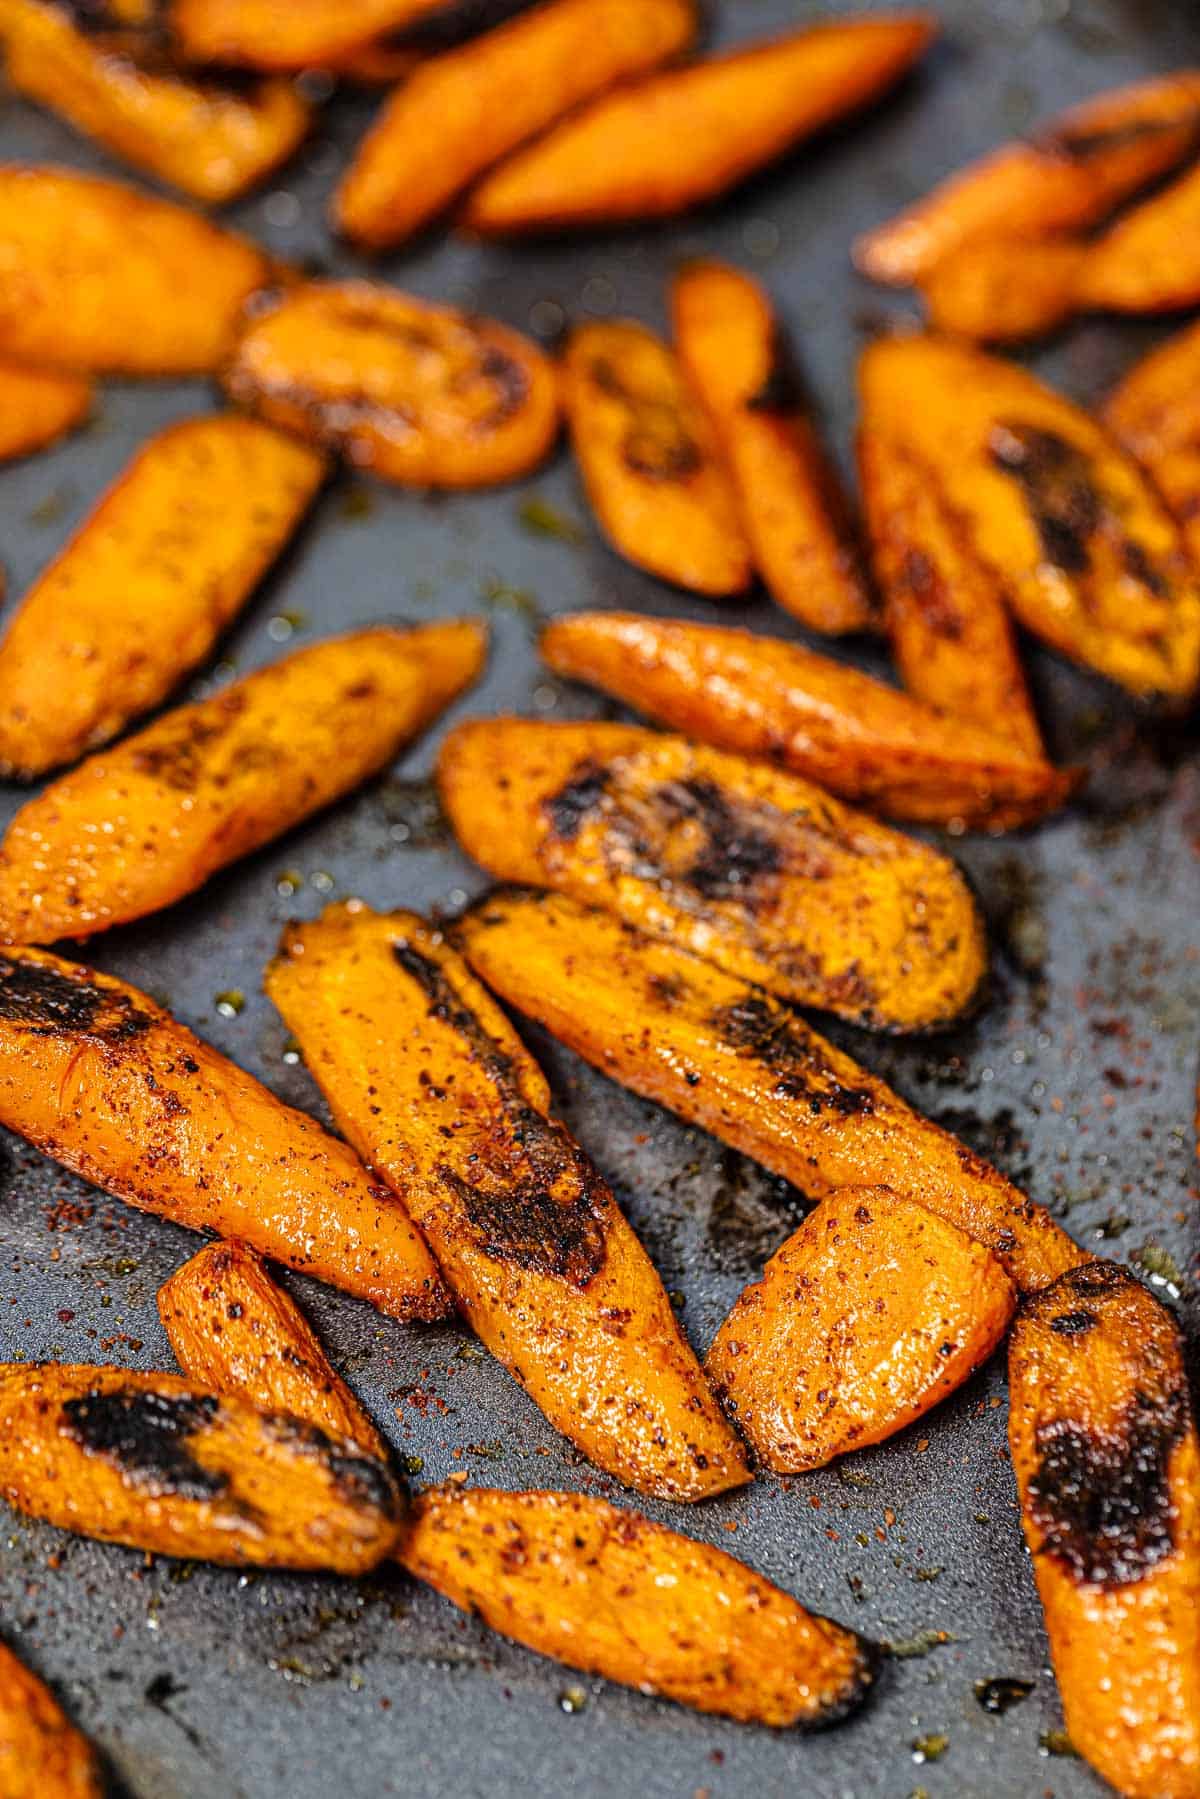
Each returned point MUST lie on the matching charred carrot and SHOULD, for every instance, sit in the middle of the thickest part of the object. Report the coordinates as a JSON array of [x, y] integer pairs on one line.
[[137, 827], [794, 513], [465, 110], [37, 407], [42, 1755], [649, 459], [149, 581], [430, 1081], [682, 137]]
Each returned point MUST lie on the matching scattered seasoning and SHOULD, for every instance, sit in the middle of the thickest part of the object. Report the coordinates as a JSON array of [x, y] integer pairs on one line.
[[293, 1055], [321, 881], [231, 1003], [1161, 1266], [498, 594], [1057, 1742], [542, 519], [930, 1748], [288, 883], [285, 625], [921, 1643], [928, 1573], [410, 1464], [52, 508], [1113, 1226], [1000, 1694], [572, 1699]]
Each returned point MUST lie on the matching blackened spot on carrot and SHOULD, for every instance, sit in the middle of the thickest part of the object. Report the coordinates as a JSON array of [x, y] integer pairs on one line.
[[782, 390], [570, 808], [145, 1435], [1073, 1324], [738, 850], [1085, 142], [922, 581], [179, 757], [657, 443], [1059, 486], [50, 1002], [363, 1481], [784, 1045]]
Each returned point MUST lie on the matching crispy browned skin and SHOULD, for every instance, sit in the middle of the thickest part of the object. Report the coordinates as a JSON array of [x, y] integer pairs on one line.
[[235, 1330], [430, 1082], [1002, 289], [799, 710], [147, 584], [676, 139], [37, 407], [42, 1755], [755, 870], [1089, 556], [162, 1464], [1069, 174], [1155, 411], [1104, 1445], [727, 1056], [793, 511], [214, 143], [650, 461], [1149, 260], [137, 827], [303, 34], [101, 1078], [422, 395], [465, 110], [871, 1313], [102, 278], [950, 632]]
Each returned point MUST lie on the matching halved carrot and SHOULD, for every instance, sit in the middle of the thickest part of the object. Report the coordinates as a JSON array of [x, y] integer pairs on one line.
[[42, 1755], [1155, 412], [214, 143], [649, 459], [137, 827], [729, 1057], [756, 870], [1149, 260], [465, 110], [677, 139], [872, 1312], [805, 712], [303, 34], [98, 1076], [420, 394], [37, 407], [140, 594], [1068, 175], [792, 507], [950, 632], [102, 278], [1089, 556], [427, 1077], [1005, 289], [1104, 1446]]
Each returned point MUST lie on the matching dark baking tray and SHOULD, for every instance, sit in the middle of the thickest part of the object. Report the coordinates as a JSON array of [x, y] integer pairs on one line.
[[1077, 1079]]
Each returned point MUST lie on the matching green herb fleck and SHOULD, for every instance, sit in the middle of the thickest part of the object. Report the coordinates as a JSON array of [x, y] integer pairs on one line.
[[930, 1748], [1057, 1742], [1160, 1265], [231, 1003], [572, 1699], [545, 520], [922, 1642]]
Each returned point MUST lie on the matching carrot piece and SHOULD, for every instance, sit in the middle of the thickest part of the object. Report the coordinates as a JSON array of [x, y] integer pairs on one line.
[[683, 137], [102, 278], [463, 111], [794, 513], [42, 1755], [1148, 261], [98, 1076], [727, 1056], [304, 34], [1068, 175], [429, 1080], [649, 459], [1155, 412], [872, 1313], [1104, 1447], [235, 1330], [804, 712], [755, 870], [37, 407], [1089, 556], [139, 596], [212, 143], [162, 1464], [1002, 290], [950, 632], [135, 828], [422, 395]]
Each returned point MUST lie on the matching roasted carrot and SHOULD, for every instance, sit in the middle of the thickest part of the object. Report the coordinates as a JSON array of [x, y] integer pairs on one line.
[[1104, 1445], [872, 1312], [565, 1574], [162, 1464], [304, 34], [755, 870], [37, 407], [42, 1755], [793, 511], [213, 143], [950, 632], [1068, 175], [1003, 289], [147, 584], [680, 138], [1155, 412], [430, 1082], [804, 712], [99, 277], [137, 827], [465, 110], [98, 1076], [1090, 558], [235, 1330], [1148, 261], [420, 394], [727, 1056], [649, 459]]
